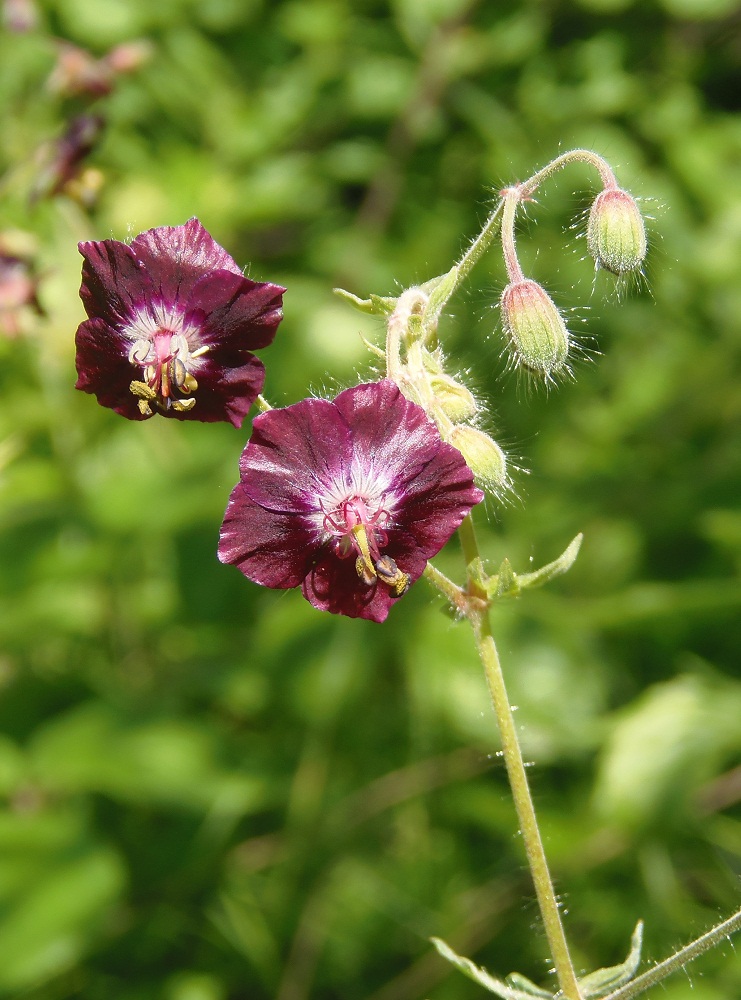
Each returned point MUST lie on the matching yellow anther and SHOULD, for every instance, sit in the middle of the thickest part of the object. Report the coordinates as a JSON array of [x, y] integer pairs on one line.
[[182, 405], [142, 391]]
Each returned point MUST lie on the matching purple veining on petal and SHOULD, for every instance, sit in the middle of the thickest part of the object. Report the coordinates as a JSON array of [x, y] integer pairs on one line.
[[348, 498]]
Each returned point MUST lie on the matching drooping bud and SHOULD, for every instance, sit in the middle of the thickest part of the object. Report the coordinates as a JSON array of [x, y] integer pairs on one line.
[[535, 328], [483, 457], [616, 235], [454, 399]]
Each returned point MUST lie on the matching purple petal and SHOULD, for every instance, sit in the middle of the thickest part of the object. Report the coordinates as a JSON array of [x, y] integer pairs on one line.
[[437, 499], [294, 453], [103, 367], [270, 548], [114, 283], [391, 435], [176, 257], [225, 393], [333, 584], [235, 314]]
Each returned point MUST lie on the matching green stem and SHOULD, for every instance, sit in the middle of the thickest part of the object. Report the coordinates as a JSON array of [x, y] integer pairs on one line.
[[452, 591], [678, 960], [530, 186], [509, 247], [474, 605], [525, 808], [480, 245]]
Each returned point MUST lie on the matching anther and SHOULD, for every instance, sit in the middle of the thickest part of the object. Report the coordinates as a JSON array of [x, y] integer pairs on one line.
[[390, 574]]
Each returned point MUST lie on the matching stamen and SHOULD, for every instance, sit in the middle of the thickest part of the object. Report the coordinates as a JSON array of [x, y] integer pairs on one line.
[[142, 390], [390, 574], [164, 361]]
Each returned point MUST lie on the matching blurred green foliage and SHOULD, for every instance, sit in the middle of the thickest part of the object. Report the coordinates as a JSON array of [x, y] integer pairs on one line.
[[213, 792]]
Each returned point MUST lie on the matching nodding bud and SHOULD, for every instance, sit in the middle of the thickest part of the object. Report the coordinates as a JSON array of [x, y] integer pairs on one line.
[[535, 328], [616, 235], [483, 456], [454, 399]]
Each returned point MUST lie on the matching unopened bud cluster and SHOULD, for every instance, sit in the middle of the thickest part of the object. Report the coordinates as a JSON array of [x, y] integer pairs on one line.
[[448, 401], [537, 339], [536, 333]]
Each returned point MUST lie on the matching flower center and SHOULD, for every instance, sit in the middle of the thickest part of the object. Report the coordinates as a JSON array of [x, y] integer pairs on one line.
[[165, 359], [356, 530]]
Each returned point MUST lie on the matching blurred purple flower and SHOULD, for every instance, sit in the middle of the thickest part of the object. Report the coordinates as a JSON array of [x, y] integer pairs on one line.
[[60, 162], [348, 499], [20, 16], [172, 326], [18, 292]]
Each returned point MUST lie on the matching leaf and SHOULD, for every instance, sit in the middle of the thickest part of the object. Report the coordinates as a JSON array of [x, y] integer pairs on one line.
[[376, 305], [507, 583], [603, 981], [440, 289], [507, 580], [556, 568], [482, 977], [520, 982]]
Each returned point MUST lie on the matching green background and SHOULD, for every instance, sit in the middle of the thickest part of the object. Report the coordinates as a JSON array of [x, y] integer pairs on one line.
[[213, 792]]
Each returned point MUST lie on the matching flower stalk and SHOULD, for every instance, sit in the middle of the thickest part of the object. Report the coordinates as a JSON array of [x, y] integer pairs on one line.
[[476, 609], [529, 829]]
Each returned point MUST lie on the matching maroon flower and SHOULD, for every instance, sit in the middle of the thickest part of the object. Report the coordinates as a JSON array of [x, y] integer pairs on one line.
[[173, 323], [348, 498]]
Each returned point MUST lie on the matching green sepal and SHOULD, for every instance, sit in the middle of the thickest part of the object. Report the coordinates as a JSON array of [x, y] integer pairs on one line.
[[489, 982], [376, 305], [507, 583], [604, 981]]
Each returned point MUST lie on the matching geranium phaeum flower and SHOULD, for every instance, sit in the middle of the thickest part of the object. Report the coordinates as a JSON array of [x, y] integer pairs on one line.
[[173, 323], [348, 499]]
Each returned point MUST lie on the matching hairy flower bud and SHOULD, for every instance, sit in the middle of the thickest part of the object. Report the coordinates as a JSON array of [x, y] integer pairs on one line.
[[534, 327], [454, 399], [483, 457], [616, 236]]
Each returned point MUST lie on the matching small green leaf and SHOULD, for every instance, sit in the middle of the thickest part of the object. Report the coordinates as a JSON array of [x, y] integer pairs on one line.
[[507, 581], [482, 977], [376, 305], [520, 982], [439, 289], [556, 568], [477, 574], [604, 981]]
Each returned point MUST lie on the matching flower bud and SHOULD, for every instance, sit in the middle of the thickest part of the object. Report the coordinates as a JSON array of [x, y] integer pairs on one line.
[[616, 236], [483, 457], [454, 399], [535, 327]]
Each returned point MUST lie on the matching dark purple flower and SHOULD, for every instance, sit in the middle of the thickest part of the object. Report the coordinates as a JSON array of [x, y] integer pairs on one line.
[[173, 323], [348, 499]]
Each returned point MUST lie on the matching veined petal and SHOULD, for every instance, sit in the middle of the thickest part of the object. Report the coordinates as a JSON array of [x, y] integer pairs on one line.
[[295, 455]]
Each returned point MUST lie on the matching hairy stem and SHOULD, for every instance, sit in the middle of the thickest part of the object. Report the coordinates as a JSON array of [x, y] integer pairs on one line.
[[525, 808], [481, 244], [474, 605], [678, 960]]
